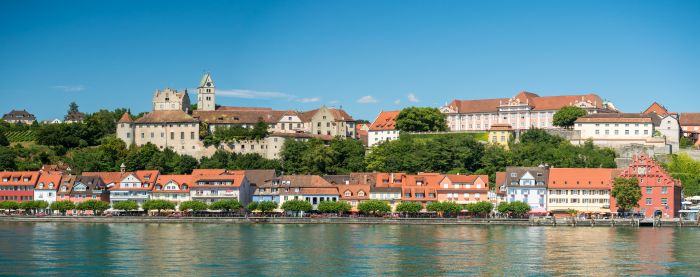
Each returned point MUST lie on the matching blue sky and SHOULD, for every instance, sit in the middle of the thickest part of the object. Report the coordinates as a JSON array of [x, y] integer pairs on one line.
[[367, 56]]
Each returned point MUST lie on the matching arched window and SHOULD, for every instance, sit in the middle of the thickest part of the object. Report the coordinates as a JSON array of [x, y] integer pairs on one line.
[[348, 193], [41, 185]]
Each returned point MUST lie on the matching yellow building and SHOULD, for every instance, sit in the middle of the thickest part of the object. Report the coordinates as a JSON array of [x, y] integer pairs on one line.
[[500, 134]]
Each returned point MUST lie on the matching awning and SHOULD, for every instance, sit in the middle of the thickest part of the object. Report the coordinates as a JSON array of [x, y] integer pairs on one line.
[[538, 211]]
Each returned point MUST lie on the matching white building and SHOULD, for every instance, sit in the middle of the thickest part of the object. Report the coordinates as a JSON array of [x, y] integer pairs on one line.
[[527, 184], [47, 186], [211, 185], [617, 129], [383, 128], [525, 110]]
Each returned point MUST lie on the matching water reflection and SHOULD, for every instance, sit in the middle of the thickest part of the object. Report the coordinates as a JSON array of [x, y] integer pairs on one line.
[[360, 250]]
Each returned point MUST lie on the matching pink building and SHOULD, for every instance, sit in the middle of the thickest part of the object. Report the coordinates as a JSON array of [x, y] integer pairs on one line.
[[464, 189]]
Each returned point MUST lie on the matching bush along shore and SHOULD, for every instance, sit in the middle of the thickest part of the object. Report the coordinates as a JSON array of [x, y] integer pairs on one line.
[[535, 221]]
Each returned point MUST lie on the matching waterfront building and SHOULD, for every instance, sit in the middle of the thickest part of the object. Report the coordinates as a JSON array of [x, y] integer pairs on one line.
[[312, 188], [47, 186], [84, 188], [65, 188], [421, 188], [529, 185], [464, 189], [383, 128], [211, 185], [586, 190], [523, 111], [354, 194], [661, 193], [18, 185], [497, 194], [19, 116], [173, 188], [124, 186], [501, 134]]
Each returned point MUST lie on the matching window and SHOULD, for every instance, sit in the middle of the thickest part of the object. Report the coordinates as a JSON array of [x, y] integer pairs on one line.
[[513, 175], [650, 190], [361, 193], [648, 201], [627, 132], [664, 201], [664, 190], [192, 135], [172, 135]]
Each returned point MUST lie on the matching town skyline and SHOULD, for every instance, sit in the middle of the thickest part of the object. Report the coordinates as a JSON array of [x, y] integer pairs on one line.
[[111, 55]]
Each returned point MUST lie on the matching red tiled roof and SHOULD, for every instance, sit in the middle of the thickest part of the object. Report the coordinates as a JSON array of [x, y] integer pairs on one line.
[[46, 178], [690, 119], [539, 103], [615, 117], [108, 177], [180, 180], [10, 175], [501, 127], [656, 108], [385, 121], [126, 118], [354, 190], [326, 191], [584, 178], [166, 117]]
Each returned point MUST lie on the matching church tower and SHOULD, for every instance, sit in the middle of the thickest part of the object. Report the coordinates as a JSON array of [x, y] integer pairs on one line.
[[205, 94]]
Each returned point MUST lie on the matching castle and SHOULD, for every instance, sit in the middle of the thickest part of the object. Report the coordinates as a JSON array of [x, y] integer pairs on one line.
[[170, 124]]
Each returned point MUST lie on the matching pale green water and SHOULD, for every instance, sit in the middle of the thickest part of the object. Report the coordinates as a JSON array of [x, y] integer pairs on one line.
[[340, 250]]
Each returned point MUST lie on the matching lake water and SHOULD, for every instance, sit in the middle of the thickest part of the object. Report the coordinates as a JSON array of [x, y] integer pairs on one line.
[[341, 250]]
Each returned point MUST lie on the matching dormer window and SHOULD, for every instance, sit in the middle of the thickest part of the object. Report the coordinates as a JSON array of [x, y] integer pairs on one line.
[[4, 179], [50, 185], [513, 175], [26, 179], [63, 188], [348, 193], [361, 193]]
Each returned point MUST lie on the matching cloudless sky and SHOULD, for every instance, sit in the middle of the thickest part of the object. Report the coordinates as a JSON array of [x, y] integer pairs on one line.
[[367, 56]]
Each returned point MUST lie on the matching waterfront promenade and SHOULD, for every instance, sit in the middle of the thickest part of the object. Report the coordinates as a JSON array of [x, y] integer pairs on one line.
[[564, 222]]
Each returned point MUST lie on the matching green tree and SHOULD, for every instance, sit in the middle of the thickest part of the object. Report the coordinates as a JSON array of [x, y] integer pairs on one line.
[[416, 119], [252, 206], [338, 207], [408, 207], [503, 208], [627, 193], [128, 205], [8, 158], [566, 116], [3, 139], [9, 205], [227, 205], [481, 208], [73, 108], [297, 206], [267, 206], [158, 205], [96, 206], [687, 170], [518, 208], [62, 206], [374, 207], [193, 206]]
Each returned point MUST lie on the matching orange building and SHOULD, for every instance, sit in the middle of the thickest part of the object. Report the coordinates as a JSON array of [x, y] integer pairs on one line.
[[18, 185], [661, 193], [464, 189], [586, 190]]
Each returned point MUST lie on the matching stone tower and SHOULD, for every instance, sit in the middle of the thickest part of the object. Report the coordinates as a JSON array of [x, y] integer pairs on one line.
[[205, 94], [125, 129]]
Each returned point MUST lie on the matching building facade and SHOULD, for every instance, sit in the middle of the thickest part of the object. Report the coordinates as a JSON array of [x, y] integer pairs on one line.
[[523, 111], [383, 128], [464, 189], [19, 116], [661, 193], [586, 190], [500, 134], [527, 184], [18, 185]]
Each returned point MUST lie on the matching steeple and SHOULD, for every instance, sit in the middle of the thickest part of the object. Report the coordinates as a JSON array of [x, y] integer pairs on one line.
[[206, 94]]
